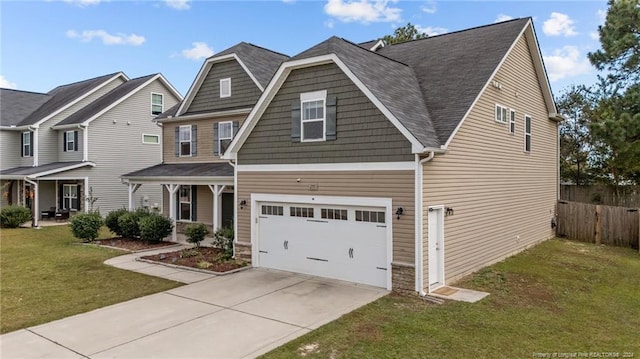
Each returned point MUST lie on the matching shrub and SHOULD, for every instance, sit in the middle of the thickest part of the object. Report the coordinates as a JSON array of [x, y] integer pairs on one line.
[[111, 221], [223, 239], [154, 227], [195, 233], [86, 226], [14, 216], [128, 224]]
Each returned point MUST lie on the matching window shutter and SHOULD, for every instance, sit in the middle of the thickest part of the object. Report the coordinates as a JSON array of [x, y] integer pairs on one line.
[[177, 132], [30, 143], [236, 124], [216, 143], [64, 141], [21, 145], [194, 203], [331, 118], [295, 121], [75, 140], [194, 140], [61, 197], [79, 197]]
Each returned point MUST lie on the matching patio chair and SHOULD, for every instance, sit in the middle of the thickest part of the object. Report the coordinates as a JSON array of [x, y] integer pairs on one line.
[[48, 214], [62, 215]]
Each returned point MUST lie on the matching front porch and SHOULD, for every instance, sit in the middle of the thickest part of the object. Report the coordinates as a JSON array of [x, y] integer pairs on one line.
[[192, 193]]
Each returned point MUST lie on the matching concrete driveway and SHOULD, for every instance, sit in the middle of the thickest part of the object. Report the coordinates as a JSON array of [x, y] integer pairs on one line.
[[241, 315]]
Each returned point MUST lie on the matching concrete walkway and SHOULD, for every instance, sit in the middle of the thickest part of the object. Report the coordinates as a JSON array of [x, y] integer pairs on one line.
[[241, 315]]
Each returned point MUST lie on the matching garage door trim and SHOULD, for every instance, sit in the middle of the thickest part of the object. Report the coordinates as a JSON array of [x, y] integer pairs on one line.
[[386, 203]]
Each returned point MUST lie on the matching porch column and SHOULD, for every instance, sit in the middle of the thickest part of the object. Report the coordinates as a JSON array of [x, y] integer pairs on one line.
[[57, 197], [216, 190], [132, 189], [86, 195], [34, 203], [172, 189]]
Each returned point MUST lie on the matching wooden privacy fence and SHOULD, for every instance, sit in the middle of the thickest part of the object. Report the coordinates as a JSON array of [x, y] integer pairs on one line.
[[618, 226], [624, 196]]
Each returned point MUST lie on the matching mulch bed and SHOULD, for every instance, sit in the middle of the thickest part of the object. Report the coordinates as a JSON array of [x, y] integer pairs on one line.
[[132, 244], [206, 258]]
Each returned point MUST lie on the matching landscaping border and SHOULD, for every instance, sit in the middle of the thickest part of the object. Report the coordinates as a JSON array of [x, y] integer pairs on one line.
[[194, 269]]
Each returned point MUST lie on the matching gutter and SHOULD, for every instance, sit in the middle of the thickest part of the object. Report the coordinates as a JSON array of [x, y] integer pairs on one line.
[[420, 221]]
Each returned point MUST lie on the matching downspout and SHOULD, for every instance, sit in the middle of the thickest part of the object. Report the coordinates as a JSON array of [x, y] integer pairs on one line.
[[34, 129], [235, 205], [420, 222], [35, 209]]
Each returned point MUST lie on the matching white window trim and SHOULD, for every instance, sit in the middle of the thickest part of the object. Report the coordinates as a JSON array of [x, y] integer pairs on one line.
[[150, 135], [311, 97], [70, 139], [161, 104], [220, 138], [524, 130], [73, 195], [512, 121], [495, 113], [180, 141], [25, 144], [180, 202], [222, 94]]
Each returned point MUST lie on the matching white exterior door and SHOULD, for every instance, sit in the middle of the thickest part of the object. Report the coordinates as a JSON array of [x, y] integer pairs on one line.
[[436, 247], [345, 242]]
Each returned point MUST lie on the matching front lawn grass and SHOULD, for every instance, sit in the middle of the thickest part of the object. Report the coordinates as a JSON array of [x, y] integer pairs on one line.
[[46, 274], [559, 297]]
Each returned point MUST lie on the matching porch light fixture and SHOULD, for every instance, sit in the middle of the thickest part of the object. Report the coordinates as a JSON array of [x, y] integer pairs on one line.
[[243, 203], [399, 212]]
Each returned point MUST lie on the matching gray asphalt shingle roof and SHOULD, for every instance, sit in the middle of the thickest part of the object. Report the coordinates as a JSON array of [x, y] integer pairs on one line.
[[263, 63], [15, 105], [215, 169], [61, 96], [30, 170], [104, 101]]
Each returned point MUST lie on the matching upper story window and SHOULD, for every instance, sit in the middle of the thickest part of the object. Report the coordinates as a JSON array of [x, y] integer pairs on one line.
[[27, 146], [527, 133], [185, 140], [512, 122], [225, 87], [225, 135], [157, 103], [69, 141], [313, 116], [502, 114]]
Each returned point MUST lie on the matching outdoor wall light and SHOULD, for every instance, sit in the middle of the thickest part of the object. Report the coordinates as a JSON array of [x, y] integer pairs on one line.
[[243, 203], [448, 211], [399, 212]]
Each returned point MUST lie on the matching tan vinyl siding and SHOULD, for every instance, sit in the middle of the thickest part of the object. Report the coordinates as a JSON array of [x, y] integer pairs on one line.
[[244, 92], [363, 133], [503, 198], [10, 146], [204, 142], [398, 185]]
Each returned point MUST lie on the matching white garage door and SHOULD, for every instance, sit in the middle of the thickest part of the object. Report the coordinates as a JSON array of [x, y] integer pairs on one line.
[[341, 242]]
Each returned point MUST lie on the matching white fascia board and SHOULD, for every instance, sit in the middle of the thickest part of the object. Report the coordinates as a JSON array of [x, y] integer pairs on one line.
[[204, 71], [317, 167], [484, 88], [181, 180], [63, 169], [119, 74], [208, 115], [538, 63], [377, 45], [168, 85], [278, 80]]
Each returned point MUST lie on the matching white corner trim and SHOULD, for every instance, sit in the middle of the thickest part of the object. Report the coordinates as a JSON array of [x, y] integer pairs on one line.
[[318, 167], [280, 77], [484, 88]]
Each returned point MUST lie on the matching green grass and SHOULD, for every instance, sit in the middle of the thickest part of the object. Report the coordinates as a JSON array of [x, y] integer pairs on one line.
[[558, 297], [46, 274]]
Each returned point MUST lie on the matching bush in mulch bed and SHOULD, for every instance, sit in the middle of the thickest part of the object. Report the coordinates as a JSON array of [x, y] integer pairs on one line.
[[199, 257], [132, 244]]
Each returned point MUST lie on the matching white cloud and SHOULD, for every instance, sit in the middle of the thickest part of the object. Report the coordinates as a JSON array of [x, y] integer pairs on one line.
[[4, 83], [364, 11], [107, 38], [559, 24], [329, 23], [200, 50], [83, 3], [594, 35], [503, 17], [178, 4], [566, 62], [432, 30], [429, 7], [602, 15], [288, 1]]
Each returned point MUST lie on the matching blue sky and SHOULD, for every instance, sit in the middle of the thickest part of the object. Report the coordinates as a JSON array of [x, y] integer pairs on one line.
[[44, 44]]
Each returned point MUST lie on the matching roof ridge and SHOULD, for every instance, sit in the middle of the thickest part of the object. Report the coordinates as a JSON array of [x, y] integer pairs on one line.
[[372, 52], [459, 31], [87, 80], [266, 49], [25, 91]]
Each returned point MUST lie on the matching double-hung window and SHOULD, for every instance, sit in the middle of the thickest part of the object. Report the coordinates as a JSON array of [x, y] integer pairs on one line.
[[185, 203], [512, 121], [502, 114], [157, 103], [70, 196], [26, 144], [225, 135], [185, 141], [313, 116], [70, 143], [527, 133]]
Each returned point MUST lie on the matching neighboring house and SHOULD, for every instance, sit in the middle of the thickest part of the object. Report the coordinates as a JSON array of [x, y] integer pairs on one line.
[[198, 184], [405, 166], [65, 147]]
